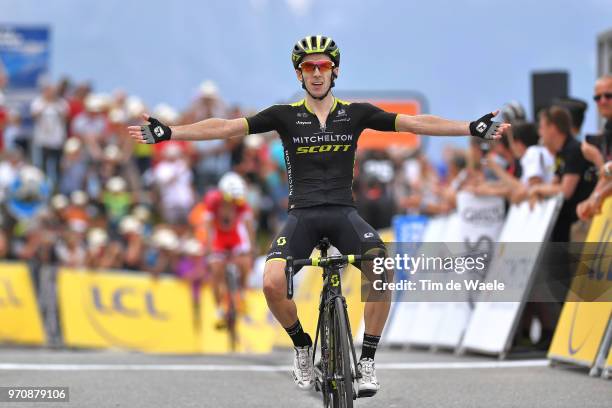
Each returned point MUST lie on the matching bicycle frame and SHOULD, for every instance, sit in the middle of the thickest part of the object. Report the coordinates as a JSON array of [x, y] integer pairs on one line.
[[330, 293]]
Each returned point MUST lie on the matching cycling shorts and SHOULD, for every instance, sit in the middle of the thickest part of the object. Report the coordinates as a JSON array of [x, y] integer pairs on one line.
[[344, 227]]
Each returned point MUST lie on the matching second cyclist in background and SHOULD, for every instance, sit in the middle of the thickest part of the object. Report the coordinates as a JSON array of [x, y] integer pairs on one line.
[[230, 239]]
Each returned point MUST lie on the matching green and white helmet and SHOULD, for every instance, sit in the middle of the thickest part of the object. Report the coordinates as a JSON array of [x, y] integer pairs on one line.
[[315, 44]]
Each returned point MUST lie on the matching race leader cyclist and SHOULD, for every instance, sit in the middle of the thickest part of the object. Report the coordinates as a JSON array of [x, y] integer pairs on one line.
[[319, 136], [230, 227]]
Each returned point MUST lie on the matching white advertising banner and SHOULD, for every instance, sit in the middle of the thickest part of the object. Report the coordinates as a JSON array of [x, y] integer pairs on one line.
[[492, 324], [480, 221]]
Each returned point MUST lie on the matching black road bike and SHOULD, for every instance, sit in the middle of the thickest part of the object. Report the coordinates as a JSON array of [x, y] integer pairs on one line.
[[337, 371]]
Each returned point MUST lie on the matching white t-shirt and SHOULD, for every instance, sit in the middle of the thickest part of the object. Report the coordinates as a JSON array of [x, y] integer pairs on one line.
[[174, 181], [85, 124], [537, 162], [50, 125]]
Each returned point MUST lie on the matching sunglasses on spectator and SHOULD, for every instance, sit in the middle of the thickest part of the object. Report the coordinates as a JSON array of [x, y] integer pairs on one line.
[[309, 66], [605, 95]]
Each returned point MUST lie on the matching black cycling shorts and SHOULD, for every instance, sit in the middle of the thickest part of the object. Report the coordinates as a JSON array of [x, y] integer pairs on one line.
[[345, 229]]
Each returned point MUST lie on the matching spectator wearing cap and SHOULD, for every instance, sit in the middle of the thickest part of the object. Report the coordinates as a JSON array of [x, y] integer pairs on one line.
[[572, 176], [165, 244], [15, 134], [130, 230], [102, 253], [70, 250], [191, 265], [73, 168], [90, 126], [50, 113], [213, 156], [116, 200], [76, 102], [76, 214], [173, 180]]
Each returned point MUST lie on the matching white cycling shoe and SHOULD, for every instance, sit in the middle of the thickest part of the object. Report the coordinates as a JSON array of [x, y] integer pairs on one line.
[[367, 385], [303, 368]]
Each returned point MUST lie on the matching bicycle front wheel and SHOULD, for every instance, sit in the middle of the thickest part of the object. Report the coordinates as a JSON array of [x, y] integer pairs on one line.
[[342, 383]]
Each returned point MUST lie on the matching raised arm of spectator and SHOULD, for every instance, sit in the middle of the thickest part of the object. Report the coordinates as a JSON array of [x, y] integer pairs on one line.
[[213, 128], [567, 186], [592, 154]]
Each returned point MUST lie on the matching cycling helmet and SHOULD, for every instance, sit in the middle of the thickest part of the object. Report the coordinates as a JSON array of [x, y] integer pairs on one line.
[[232, 186], [315, 44]]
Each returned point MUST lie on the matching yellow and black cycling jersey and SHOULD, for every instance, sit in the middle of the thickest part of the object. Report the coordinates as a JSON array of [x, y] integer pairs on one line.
[[320, 157]]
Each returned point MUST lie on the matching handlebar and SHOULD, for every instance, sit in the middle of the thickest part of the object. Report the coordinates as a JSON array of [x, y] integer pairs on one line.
[[333, 260]]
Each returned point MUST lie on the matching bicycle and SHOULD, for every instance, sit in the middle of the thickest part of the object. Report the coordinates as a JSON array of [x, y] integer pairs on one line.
[[336, 373], [230, 301]]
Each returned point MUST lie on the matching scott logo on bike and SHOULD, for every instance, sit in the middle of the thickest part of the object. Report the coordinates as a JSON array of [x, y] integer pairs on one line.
[[335, 280], [281, 241]]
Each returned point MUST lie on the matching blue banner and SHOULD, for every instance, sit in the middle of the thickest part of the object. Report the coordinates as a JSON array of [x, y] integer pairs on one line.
[[25, 53]]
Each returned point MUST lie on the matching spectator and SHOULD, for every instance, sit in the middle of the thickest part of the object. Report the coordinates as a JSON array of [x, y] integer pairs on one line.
[[191, 266], [572, 177], [50, 113], [90, 125], [173, 180], [117, 201], [166, 246], [101, 252], [70, 250], [73, 168], [592, 206], [15, 135], [536, 164], [131, 231], [598, 148], [76, 102], [576, 108]]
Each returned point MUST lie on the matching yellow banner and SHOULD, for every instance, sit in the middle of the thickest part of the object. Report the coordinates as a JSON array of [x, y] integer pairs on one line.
[[582, 325], [255, 332], [20, 320], [129, 311]]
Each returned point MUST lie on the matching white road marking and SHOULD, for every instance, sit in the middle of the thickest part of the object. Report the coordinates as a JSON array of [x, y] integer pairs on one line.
[[261, 368]]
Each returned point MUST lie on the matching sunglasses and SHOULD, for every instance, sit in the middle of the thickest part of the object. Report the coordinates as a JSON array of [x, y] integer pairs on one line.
[[309, 66], [605, 95]]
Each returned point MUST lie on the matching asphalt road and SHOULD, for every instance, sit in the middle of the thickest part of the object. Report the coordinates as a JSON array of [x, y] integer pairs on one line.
[[408, 378]]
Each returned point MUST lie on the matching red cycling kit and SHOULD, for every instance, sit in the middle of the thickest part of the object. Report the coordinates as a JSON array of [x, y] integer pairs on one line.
[[230, 233]]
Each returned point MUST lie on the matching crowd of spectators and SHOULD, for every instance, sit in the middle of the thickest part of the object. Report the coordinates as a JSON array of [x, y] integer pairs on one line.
[[76, 191]]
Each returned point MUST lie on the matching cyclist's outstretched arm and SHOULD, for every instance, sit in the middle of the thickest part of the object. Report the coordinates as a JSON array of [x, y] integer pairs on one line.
[[213, 128], [483, 127]]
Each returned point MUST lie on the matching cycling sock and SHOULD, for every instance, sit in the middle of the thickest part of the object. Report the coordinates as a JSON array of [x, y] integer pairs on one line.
[[298, 336], [368, 348]]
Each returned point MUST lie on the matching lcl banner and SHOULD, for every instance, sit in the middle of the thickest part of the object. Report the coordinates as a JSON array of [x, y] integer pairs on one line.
[[582, 325], [20, 320], [129, 311]]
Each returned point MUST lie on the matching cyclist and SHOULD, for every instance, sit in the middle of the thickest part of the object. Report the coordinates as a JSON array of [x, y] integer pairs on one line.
[[228, 220], [319, 135]]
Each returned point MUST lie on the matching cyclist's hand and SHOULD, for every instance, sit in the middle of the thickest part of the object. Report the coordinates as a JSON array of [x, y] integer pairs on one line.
[[485, 128], [154, 132]]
